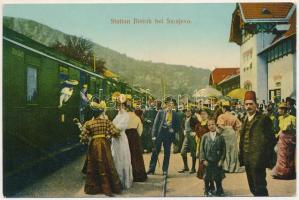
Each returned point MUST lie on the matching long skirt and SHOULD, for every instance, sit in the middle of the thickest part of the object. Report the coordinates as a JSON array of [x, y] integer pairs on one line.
[[139, 174], [122, 159], [285, 164], [231, 163], [101, 175], [146, 138]]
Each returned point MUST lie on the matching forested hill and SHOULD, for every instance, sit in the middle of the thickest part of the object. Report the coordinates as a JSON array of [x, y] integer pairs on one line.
[[179, 79]]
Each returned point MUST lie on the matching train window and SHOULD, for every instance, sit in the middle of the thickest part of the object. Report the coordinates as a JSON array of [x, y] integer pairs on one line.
[[31, 84], [93, 85], [63, 73]]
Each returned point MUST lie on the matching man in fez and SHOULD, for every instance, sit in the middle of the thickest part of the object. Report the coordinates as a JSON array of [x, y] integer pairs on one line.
[[164, 128], [256, 146]]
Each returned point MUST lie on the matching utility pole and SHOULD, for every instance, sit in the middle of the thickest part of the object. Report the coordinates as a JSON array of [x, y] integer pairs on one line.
[[94, 62], [163, 86]]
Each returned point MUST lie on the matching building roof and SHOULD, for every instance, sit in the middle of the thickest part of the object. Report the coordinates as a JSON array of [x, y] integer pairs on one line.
[[265, 10], [290, 32], [219, 74], [229, 77], [292, 22], [247, 13]]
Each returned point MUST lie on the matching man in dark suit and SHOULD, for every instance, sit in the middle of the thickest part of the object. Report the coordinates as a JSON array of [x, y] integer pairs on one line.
[[256, 146], [165, 126], [189, 143], [149, 117]]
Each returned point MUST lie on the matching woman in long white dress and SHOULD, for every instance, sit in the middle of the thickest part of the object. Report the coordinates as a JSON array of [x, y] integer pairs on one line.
[[120, 149]]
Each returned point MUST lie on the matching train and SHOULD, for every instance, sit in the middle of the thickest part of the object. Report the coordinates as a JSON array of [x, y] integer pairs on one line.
[[35, 129]]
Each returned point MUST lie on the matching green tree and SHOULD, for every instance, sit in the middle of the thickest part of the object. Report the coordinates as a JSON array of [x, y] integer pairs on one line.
[[80, 49]]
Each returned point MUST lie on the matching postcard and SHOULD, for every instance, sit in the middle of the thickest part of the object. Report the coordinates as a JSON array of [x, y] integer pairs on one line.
[[149, 99]]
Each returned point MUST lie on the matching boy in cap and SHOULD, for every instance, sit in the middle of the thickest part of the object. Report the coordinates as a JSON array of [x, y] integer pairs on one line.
[[212, 155]]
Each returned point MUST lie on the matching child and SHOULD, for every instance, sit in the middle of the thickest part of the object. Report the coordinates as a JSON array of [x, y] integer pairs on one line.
[[212, 155]]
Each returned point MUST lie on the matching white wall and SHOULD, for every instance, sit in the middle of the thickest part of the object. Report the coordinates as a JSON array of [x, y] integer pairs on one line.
[[257, 75], [286, 68], [263, 40], [248, 74]]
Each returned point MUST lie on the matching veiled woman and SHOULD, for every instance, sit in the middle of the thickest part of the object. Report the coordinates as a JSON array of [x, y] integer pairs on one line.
[[102, 176], [120, 146]]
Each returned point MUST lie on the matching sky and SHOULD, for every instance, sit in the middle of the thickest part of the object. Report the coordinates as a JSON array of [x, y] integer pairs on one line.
[[203, 42]]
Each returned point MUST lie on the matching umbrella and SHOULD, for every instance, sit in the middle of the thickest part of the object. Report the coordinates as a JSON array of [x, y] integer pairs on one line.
[[238, 93], [207, 92]]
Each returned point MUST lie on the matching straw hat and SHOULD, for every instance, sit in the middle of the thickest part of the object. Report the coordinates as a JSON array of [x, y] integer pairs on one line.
[[282, 105], [71, 82], [98, 106], [225, 103]]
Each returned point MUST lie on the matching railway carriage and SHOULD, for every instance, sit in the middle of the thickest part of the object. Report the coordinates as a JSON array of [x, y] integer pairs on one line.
[[35, 129]]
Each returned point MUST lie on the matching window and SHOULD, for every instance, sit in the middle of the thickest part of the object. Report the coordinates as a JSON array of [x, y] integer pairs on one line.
[[278, 84], [63, 73], [93, 85], [289, 44], [272, 54], [31, 84], [280, 50], [276, 52], [247, 85], [284, 48]]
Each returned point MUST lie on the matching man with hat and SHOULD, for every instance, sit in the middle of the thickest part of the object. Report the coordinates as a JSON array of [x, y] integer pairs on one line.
[[164, 127], [66, 91], [189, 143], [291, 106], [257, 143]]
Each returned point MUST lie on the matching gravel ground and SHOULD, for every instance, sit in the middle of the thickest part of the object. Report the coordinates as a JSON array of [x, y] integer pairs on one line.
[[69, 182]]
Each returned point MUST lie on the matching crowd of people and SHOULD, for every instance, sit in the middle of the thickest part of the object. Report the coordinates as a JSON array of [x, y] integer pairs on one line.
[[229, 137]]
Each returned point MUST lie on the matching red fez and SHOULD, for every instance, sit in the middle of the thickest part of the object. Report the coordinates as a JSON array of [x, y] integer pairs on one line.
[[250, 95]]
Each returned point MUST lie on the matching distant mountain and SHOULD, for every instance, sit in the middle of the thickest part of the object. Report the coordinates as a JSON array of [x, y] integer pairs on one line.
[[179, 79]]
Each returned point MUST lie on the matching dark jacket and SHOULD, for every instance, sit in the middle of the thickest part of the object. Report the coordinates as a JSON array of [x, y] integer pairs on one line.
[[262, 142], [159, 120], [193, 122], [212, 151], [149, 117]]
